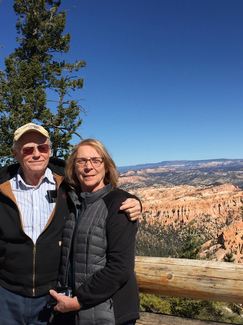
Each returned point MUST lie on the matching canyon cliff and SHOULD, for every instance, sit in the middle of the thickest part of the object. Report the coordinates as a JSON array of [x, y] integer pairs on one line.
[[182, 204], [214, 207]]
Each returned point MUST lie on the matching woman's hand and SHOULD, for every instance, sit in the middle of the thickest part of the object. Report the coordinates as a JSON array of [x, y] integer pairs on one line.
[[132, 208], [64, 303]]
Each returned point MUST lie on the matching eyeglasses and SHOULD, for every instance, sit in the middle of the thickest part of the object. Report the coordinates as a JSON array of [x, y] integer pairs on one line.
[[42, 148], [95, 161]]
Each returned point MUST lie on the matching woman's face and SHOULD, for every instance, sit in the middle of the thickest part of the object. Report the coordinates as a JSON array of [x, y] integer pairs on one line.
[[91, 178]]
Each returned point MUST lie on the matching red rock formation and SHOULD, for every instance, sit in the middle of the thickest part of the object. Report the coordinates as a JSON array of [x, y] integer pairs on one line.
[[185, 203], [182, 204], [231, 239]]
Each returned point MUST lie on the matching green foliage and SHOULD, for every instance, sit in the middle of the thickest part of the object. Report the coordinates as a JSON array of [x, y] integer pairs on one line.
[[31, 70], [190, 308], [228, 257], [168, 241], [192, 245], [209, 256], [154, 304], [157, 241]]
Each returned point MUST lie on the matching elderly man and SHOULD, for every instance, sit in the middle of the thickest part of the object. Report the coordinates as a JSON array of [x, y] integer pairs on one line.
[[34, 208]]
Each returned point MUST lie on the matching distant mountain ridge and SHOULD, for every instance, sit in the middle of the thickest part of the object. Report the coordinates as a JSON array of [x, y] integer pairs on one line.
[[186, 164]]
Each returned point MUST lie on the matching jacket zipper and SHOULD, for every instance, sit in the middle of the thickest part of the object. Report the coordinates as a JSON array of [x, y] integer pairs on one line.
[[34, 255]]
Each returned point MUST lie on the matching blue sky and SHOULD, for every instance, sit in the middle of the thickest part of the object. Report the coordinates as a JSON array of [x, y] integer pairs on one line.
[[164, 78]]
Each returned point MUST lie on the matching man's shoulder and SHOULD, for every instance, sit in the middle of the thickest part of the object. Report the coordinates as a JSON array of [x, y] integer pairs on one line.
[[8, 172], [57, 166]]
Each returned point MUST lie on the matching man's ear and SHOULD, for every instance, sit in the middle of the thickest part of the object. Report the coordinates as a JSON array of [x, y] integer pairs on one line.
[[15, 153]]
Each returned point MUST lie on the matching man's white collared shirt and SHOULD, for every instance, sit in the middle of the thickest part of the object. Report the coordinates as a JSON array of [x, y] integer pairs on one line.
[[33, 202]]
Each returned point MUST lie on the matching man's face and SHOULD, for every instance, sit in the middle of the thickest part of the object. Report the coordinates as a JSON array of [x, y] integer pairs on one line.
[[36, 162]]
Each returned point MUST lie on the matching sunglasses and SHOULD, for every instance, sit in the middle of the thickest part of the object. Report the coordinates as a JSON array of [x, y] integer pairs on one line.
[[42, 148]]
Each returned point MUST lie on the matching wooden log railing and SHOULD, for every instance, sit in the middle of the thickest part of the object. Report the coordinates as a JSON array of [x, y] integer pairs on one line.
[[196, 279]]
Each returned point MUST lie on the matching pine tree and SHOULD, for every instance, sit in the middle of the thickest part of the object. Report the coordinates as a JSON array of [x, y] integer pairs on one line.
[[31, 70], [192, 245]]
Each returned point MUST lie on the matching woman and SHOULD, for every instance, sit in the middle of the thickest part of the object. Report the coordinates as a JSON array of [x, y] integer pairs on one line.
[[99, 243]]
